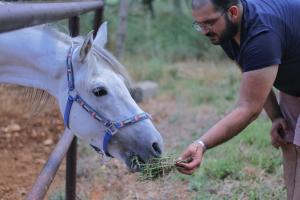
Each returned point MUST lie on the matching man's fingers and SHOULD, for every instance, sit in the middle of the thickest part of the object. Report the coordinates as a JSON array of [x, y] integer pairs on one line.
[[277, 140], [277, 132], [275, 128], [275, 144], [190, 159], [284, 125], [194, 164], [186, 171], [184, 156]]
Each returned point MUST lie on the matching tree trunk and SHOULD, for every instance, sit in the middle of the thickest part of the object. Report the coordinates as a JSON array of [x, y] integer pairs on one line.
[[177, 6], [122, 30], [148, 5]]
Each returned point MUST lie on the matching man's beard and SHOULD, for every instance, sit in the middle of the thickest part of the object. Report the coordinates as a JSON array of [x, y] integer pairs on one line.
[[230, 31]]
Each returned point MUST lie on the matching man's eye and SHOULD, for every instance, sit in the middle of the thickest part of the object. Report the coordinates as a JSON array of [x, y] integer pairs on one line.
[[99, 91], [209, 23]]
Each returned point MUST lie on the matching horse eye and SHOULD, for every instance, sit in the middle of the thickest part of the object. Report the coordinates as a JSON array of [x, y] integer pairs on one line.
[[99, 91]]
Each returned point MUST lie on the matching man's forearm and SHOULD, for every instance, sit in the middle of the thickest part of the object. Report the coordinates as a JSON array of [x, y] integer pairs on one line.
[[271, 107], [228, 127]]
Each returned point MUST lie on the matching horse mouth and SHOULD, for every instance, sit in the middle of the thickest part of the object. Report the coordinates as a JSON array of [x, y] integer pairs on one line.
[[136, 163]]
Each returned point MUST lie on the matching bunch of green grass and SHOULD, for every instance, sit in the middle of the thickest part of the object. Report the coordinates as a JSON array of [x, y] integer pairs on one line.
[[156, 168]]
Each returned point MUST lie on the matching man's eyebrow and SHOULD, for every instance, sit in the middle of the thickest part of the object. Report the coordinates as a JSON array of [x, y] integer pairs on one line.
[[206, 21]]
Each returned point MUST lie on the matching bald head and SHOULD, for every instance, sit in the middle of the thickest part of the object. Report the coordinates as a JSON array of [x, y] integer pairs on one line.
[[218, 4]]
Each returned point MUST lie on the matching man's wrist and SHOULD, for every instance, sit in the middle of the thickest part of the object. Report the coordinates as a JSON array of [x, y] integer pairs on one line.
[[203, 145]]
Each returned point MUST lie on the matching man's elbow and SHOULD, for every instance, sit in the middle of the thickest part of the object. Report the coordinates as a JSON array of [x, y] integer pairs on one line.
[[252, 111], [255, 114]]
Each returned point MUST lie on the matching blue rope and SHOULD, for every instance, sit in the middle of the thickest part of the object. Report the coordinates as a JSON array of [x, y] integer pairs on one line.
[[106, 139], [68, 110]]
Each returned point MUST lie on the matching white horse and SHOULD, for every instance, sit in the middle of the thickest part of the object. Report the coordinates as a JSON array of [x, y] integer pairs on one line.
[[82, 71]]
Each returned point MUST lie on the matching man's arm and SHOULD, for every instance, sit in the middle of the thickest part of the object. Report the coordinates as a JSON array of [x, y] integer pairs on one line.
[[279, 124], [255, 87], [254, 90], [272, 108]]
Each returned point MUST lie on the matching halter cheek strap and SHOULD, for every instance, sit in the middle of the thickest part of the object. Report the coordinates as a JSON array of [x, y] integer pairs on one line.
[[112, 127]]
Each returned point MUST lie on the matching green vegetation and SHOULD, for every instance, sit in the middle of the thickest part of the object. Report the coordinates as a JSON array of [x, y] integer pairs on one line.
[[241, 168], [166, 37]]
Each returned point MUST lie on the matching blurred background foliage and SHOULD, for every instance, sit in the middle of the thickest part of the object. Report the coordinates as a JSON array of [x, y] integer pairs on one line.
[[156, 37], [163, 33], [167, 36]]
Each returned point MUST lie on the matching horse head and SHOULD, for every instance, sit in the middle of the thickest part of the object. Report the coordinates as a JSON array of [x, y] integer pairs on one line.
[[105, 115]]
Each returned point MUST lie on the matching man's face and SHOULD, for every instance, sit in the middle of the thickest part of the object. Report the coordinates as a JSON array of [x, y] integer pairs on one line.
[[214, 24]]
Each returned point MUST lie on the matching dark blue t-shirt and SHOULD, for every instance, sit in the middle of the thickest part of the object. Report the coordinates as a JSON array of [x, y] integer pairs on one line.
[[270, 35]]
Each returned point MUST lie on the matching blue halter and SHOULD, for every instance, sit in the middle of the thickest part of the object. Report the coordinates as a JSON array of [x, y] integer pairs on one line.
[[112, 127]]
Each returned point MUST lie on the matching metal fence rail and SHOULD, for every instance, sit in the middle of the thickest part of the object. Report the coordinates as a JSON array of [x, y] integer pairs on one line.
[[19, 15], [47, 174]]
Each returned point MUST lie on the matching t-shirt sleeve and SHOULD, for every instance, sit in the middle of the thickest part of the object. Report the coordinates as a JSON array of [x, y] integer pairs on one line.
[[262, 50]]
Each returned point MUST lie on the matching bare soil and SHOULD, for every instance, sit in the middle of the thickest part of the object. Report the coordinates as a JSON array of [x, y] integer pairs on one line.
[[25, 142]]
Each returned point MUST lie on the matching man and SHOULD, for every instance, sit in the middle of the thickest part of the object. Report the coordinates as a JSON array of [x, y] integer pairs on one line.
[[263, 37]]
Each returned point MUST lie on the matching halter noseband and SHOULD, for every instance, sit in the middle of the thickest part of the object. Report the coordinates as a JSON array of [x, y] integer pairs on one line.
[[112, 127]]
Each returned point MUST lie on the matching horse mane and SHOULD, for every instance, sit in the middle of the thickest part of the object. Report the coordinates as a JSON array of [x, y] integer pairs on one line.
[[39, 99], [34, 99], [51, 30], [114, 64]]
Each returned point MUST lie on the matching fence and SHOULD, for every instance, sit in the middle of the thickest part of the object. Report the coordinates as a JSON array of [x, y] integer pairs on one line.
[[15, 16]]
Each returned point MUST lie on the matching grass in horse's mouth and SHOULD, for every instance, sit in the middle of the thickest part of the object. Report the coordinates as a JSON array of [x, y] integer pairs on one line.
[[136, 162], [155, 168]]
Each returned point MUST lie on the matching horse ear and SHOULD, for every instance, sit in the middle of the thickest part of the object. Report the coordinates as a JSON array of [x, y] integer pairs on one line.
[[101, 37], [86, 46]]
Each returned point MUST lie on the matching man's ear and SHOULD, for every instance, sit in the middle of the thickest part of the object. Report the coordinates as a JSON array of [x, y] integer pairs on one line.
[[234, 12], [86, 47]]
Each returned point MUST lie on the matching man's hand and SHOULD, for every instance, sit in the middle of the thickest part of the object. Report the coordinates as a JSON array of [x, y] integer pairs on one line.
[[279, 126], [193, 155]]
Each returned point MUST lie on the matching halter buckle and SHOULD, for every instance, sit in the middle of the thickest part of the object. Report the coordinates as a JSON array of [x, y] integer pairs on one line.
[[73, 93], [112, 129]]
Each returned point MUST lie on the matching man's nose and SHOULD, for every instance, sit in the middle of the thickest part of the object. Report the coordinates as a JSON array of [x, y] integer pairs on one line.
[[205, 32]]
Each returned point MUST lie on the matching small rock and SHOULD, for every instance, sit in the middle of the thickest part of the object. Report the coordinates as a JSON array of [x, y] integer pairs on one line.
[[43, 134], [12, 128], [48, 142], [22, 191], [34, 134], [40, 161]]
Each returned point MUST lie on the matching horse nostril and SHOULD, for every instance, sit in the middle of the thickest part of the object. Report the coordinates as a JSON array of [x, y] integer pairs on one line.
[[156, 149]]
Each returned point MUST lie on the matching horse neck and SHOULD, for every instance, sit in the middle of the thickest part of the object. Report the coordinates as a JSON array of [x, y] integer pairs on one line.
[[33, 58]]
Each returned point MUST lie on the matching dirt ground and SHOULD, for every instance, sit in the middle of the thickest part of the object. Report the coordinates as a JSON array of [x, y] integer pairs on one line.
[[26, 142]]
